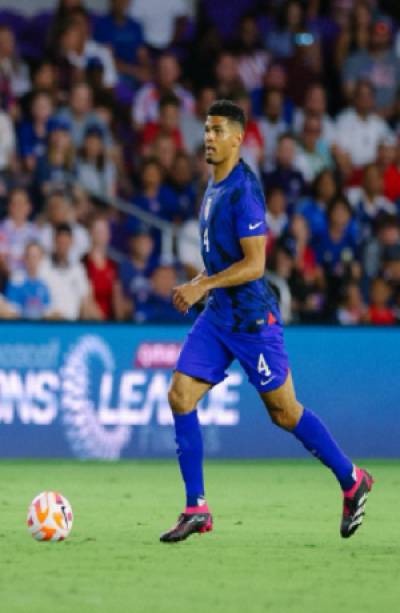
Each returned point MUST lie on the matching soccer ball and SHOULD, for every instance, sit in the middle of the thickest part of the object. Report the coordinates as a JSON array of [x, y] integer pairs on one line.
[[50, 517]]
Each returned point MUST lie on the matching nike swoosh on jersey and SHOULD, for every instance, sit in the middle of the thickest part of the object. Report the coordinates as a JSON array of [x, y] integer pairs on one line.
[[266, 381], [253, 226]]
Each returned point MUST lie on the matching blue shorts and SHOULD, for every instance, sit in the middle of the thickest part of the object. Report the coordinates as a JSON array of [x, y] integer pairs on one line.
[[209, 350]]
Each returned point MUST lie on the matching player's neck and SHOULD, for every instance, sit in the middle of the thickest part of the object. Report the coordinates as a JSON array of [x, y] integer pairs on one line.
[[222, 170]]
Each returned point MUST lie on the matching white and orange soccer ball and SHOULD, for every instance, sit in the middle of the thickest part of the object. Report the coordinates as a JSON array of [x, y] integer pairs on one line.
[[50, 517]]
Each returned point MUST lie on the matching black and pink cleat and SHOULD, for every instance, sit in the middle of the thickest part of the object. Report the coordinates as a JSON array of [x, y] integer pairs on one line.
[[194, 519], [354, 501]]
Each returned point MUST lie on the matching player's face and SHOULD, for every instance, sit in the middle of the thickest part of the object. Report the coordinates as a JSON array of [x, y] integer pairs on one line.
[[222, 139]]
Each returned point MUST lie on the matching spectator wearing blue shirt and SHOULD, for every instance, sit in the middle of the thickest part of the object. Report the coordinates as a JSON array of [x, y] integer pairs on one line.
[[125, 37], [291, 21], [157, 306], [153, 198], [275, 78], [337, 251], [313, 208], [32, 132], [369, 202], [56, 170], [283, 174], [337, 245], [135, 272], [25, 292], [179, 190], [150, 196]]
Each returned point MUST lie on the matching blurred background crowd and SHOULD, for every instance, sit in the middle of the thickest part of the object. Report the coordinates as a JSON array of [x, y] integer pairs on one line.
[[101, 157]]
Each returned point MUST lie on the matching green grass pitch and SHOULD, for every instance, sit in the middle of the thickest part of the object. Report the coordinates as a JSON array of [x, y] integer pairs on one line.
[[275, 548]]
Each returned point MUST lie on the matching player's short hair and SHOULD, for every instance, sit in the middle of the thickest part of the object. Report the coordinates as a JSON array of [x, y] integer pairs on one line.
[[228, 109]]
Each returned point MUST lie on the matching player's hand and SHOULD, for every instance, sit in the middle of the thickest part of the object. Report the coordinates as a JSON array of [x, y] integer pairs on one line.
[[184, 296]]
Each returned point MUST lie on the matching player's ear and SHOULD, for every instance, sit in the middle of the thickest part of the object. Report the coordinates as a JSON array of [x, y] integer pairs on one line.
[[239, 136]]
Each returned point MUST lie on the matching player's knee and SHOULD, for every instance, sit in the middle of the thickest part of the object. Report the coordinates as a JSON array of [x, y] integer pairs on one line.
[[286, 416], [179, 401]]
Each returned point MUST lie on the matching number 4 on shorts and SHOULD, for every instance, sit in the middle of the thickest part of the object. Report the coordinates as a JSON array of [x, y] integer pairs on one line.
[[262, 366]]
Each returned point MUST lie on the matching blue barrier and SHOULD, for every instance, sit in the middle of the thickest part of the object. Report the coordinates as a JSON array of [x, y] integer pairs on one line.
[[100, 391]]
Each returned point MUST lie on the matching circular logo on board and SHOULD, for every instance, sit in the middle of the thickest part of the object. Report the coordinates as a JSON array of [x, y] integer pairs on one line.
[[87, 436]]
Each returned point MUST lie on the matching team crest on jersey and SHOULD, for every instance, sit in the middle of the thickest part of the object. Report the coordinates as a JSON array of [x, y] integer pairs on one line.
[[207, 208]]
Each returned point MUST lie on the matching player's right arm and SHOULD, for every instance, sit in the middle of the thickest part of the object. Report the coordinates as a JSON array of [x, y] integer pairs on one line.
[[249, 268]]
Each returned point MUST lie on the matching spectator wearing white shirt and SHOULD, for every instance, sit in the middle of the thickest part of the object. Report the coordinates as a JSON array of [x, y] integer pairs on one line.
[[59, 210], [12, 70], [7, 141], [313, 153], [158, 20], [70, 291], [145, 108], [16, 231], [315, 103], [369, 201], [276, 215], [81, 51], [359, 130]]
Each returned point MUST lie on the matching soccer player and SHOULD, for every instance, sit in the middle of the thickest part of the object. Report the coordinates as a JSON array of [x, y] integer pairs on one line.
[[241, 320]]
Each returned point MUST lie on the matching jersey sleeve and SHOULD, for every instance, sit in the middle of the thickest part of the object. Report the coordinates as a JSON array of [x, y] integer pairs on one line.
[[249, 207]]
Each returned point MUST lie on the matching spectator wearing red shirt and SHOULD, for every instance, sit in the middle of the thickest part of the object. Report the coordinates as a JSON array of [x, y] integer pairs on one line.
[[379, 312], [167, 125], [101, 270], [391, 178], [306, 261]]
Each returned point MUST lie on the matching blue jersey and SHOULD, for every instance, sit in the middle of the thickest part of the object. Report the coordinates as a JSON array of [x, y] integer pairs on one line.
[[30, 297], [233, 209]]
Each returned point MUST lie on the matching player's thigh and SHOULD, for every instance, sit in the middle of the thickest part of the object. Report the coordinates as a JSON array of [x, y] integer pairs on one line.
[[282, 404], [185, 392], [204, 354], [262, 356], [203, 363], [266, 363]]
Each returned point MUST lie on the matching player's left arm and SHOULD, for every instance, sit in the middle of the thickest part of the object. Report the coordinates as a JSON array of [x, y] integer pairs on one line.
[[249, 268]]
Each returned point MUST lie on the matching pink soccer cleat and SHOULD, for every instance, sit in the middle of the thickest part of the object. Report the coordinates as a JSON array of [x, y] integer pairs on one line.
[[354, 501]]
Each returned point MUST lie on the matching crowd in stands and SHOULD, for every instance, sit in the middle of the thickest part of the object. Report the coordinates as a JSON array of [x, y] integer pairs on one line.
[[98, 109]]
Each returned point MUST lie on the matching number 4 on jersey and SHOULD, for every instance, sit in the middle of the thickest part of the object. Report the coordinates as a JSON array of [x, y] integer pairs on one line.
[[206, 242], [263, 367]]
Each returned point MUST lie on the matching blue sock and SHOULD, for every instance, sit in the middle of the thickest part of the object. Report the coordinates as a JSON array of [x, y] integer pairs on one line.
[[316, 438], [190, 455]]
